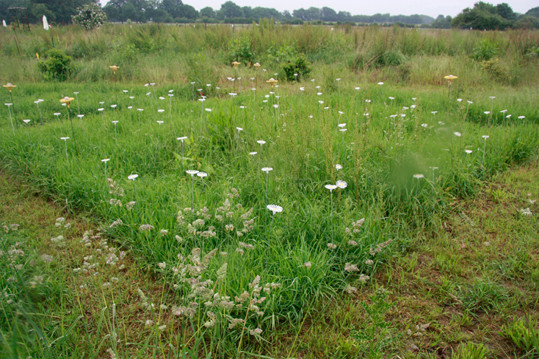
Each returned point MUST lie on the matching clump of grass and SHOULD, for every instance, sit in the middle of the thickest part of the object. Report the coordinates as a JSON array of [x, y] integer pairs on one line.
[[470, 351], [524, 334], [483, 296]]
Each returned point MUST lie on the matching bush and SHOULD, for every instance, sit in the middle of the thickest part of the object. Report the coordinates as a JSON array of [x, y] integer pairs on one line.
[[57, 65], [296, 69], [90, 16], [485, 51], [290, 60], [241, 52]]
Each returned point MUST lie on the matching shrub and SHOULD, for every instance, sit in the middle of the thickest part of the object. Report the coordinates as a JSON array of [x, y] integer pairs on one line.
[[485, 51], [295, 69], [241, 51], [56, 66], [277, 55], [290, 60], [90, 16]]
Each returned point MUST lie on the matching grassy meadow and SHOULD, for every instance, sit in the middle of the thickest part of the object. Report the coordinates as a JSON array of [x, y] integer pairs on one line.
[[253, 203]]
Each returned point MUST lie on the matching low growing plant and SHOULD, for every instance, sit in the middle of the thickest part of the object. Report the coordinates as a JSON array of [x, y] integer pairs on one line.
[[470, 351], [524, 335]]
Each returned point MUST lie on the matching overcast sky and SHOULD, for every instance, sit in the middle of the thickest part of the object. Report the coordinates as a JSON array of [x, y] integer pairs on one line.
[[393, 7]]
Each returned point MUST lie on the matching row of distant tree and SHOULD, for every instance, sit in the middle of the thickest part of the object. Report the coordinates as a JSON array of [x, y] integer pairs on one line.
[[176, 11], [483, 16]]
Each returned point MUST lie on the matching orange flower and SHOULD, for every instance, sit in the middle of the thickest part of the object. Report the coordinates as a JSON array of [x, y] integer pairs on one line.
[[114, 68], [450, 78], [9, 86], [67, 100], [272, 81]]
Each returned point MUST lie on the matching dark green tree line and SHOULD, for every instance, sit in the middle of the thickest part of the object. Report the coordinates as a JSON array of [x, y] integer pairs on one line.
[[483, 16]]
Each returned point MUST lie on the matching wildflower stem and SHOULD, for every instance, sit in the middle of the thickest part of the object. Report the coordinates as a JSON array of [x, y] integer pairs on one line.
[[490, 114], [40, 114], [203, 190], [484, 151], [78, 105], [13, 103], [11, 119], [72, 129], [331, 214], [267, 181], [201, 115], [182, 156], [269, 242], [193, 197], [260, 155]]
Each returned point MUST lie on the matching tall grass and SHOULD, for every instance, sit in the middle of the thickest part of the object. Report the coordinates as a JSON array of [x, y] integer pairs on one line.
[[164, 53]]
